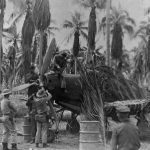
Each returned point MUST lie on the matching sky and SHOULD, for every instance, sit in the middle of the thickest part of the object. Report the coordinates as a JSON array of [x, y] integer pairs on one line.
[[60, 10]]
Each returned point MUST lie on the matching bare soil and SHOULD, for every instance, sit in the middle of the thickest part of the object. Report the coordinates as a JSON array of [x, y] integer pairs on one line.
[[65, 140]]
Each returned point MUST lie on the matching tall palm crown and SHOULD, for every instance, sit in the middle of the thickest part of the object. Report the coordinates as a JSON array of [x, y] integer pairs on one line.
[[121, 23], [92, 28], [144, 33], [76, 24]]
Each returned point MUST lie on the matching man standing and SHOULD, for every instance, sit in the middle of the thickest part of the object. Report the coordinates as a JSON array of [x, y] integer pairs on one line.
[[31, 77], [8, 111], [42, 97], [126, 135]]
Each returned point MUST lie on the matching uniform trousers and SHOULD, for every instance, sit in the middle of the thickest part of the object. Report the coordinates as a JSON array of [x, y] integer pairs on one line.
[[9, 130], [41, 132]]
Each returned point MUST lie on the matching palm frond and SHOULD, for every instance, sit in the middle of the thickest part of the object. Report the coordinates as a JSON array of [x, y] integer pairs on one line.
[[69, 36], [68, 24], [129, 29], [143, 38], [53, 28], [82, 23], [141, 29], [84, 28], [85, 36], [85, 4], [101, 4], [131, 20]]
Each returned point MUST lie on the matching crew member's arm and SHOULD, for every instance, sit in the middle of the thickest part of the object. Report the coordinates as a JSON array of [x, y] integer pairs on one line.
[[114, 140], [47, 98]]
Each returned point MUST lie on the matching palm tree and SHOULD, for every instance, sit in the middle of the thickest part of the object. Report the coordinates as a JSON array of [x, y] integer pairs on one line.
[[41, 18], [139, 70], [78, 27], [28, 31], [121, 23], [144, 33], [92, 29], [75, 24], [2, 8]]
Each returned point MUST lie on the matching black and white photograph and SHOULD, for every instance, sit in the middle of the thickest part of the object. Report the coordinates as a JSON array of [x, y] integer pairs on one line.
[[74, 74]]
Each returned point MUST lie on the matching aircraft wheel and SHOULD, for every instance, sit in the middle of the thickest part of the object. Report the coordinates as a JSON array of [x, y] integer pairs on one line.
[[50, 136], [73, 126]]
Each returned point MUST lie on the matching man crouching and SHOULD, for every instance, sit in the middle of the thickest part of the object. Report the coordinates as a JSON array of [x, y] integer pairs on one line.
[[8, 111]]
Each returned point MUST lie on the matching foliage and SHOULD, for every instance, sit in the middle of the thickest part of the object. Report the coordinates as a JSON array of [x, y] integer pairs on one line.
[[144, 33], [75, 24], [92, 106], [101, 4], [117, 43], [41, 14], [92, 29], [28, 30], [120, 22], [76, 45], [2, 4], [44, 44], [48, 56]]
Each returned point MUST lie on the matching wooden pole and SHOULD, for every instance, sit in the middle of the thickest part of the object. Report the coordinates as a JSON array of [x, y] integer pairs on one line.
[[108, 61]]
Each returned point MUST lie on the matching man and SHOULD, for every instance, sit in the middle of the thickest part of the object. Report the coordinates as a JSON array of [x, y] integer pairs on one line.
[[31, 77], [126, 135], [41, 100], [8, 111]]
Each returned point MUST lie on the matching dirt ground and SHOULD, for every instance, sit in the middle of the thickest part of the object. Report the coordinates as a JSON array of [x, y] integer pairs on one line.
[[65, 140]]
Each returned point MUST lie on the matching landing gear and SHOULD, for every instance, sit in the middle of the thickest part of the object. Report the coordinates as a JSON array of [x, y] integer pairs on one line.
[[73, 125], [50, 136]]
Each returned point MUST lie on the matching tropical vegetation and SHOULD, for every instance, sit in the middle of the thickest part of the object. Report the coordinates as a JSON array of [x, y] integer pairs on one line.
[[36, 44]]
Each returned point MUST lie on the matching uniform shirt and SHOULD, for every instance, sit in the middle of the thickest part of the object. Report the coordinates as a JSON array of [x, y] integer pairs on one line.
[[126, 137], [7, 107], [41, 104]]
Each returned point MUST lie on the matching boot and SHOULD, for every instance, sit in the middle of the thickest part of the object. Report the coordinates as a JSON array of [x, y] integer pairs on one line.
[[45, 145], [5, 146], [37, 145], [14, 146]]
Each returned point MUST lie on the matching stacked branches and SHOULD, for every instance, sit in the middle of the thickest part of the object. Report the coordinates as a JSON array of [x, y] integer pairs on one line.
[[92, 106], [101, 85]]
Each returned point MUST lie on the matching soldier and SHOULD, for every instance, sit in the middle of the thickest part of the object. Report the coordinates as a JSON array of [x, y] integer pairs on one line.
[[31, 77], [126, 135], [41, 103], [8, 111]]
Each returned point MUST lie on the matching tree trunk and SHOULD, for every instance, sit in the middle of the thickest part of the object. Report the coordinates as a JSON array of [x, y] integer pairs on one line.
[[40, 55], [75, 63], [1, 34], [108, 34]]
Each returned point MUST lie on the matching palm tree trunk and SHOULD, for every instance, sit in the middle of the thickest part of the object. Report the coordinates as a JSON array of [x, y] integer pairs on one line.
[[75, 63], [1, 33], [41, 56], [108, 33]]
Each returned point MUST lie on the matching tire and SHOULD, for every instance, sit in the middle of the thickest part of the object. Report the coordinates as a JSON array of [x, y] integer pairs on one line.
[[50, 136], [73, 126]]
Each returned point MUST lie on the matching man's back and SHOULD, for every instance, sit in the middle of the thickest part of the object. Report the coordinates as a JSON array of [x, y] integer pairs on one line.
[[127, 136], [7, 107]]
